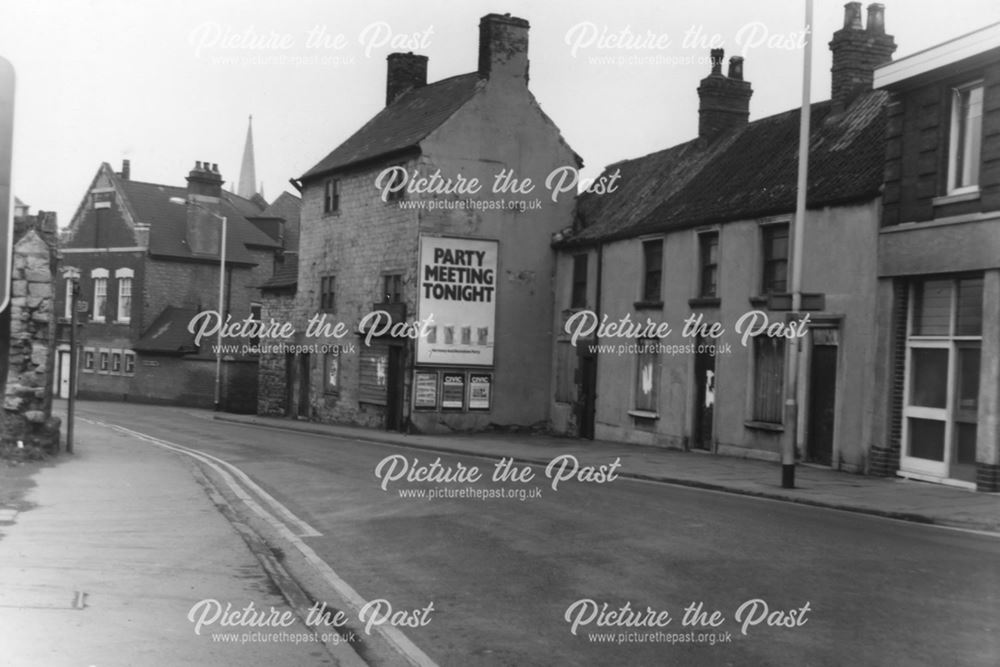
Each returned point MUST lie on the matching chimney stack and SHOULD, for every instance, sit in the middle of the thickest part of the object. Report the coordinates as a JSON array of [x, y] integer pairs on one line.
[[204, 227], [126, 170], [405, 71], [503, 48], [857, 52], [724, 101]]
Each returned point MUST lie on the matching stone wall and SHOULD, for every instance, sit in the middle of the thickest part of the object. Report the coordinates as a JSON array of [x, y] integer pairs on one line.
[[27, 407]]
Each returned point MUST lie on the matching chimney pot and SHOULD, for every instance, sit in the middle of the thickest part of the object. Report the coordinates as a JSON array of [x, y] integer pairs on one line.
[[876, 18], [503, 48], [215, 167], [126, 170], [197, 165], [736, 68], [852, 16], [404, 71], [717, 56]]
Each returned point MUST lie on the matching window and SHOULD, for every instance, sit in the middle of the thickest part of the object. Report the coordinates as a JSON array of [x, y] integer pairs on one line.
[[129, 362], [104, 357], [964, 150], [942, 377], [652, 253], [88, 360], [331, 196], [373, 376], [392, 288], [579, 295], [124, 277], [100, 278], [256, 315], [396, 191], [68, 306], [708, 264], [775, 259], [116, 361], [328, 294], [647, 377], [331, 373], [769, 380]]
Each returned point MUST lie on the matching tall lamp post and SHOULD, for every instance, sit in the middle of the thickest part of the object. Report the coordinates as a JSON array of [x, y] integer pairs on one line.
[[222, 293], [73, 275]]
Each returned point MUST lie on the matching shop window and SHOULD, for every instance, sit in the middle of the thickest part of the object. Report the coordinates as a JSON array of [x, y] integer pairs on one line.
[[768, 379], [373, 377], [647, 379]]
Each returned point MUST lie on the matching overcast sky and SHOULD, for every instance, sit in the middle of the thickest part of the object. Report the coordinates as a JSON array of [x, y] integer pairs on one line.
[[167, 83]]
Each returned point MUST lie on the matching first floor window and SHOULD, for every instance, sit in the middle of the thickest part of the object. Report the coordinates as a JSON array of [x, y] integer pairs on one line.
[[652, 257], [124, 277], [708, 259], [392, 288], [769, 372], [331, 196], [647, 378], [100, 278], [774, 268], [578, 299], [965, 145], [328, 294]]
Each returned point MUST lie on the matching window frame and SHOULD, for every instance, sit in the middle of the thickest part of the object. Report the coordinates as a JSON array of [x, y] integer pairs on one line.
[[757, 417], [123, 277], [578, 281], [331, 196], [647, 350], [397, 292], [128, 362], [328, 293], [648, 286], [99, 277], [954, 134], [767, 281], [332, 389], [89, 360], [704, 265]]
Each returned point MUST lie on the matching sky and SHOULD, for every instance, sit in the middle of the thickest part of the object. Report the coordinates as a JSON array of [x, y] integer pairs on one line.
[[167, 84]]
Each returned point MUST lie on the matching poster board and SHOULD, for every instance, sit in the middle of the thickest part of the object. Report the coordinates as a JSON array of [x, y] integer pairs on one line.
[[457, 300]]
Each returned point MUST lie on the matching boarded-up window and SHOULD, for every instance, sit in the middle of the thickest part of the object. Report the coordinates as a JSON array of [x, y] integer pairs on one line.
[[769, 371], [373, 380]]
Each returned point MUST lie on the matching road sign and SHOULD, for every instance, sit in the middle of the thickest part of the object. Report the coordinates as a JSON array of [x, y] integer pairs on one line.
[[815, 301], [6, 154], [82, 306]]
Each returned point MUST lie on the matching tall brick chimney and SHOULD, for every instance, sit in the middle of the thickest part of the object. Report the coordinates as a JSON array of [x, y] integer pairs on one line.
[[503, 48], [404, 72], [724, 100], [204, 228], [126, 172], [857, 52]]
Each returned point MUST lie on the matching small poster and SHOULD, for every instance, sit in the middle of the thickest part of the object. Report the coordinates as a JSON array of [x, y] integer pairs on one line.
[[480, 391], [425, 391], [453, 391]]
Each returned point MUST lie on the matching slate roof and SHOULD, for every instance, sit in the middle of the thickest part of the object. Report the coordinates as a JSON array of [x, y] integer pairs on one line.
[[168, 221], [168, 334], [749, 174], [402, 124], [287, 275]]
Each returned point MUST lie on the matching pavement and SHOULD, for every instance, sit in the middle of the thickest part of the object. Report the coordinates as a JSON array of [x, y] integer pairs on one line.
[[122, 540], [891, 497]]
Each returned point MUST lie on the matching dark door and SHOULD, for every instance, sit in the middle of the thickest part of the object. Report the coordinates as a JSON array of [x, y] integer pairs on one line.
[[588, 396], [394, 400], [822, 392], [303, 403], [704, 377], [290, 386]]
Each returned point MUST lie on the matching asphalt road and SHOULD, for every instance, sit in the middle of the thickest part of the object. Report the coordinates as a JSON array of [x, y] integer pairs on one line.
[[503, 574]]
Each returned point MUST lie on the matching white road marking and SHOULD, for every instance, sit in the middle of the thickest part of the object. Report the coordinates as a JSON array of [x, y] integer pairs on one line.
[[392, 635]]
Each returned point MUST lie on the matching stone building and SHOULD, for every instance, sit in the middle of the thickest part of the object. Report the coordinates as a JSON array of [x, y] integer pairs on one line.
[[937, 398], [28, 333], [149, 258], [701, 233], [391, 222]]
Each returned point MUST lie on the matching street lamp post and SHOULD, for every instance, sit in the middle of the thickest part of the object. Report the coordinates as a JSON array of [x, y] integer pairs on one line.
[[217, 402], [73, 275]]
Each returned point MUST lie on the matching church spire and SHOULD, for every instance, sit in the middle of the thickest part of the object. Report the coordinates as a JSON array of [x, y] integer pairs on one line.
[[248, 177]]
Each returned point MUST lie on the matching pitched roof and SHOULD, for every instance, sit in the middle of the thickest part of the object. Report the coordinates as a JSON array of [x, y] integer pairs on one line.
[[402, 124], [288, 207], [748, 174], [168, 334], [168, 221], [287, 275]]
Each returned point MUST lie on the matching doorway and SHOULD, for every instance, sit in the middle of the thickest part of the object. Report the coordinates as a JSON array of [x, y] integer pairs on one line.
[[704, 377], [64, 366], [822, 403], [302, 407]]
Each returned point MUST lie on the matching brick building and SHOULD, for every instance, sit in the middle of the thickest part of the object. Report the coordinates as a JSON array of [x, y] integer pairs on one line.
[[702, 230], [475, 267], [937, 412], [148, 257]]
